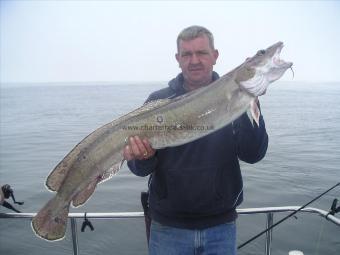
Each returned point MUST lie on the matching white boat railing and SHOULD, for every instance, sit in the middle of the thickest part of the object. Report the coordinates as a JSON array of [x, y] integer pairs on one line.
[[269, 211]]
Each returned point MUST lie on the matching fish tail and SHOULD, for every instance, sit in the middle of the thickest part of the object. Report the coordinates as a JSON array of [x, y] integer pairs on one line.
[[50, 222]]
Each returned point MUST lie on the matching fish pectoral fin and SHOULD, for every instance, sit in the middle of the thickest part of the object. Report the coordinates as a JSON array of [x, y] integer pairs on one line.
[[82, 196], [111, 172], [254, 112]]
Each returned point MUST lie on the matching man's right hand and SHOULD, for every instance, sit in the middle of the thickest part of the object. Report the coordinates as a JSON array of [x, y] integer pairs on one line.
[[138, 149]]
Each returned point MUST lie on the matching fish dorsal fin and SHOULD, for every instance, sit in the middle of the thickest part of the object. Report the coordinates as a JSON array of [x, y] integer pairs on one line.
[[86, 193], [155, 104], [137, 112], [57, 176]]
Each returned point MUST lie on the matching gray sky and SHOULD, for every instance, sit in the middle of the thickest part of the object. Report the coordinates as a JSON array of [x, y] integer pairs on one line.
[[85, 41]]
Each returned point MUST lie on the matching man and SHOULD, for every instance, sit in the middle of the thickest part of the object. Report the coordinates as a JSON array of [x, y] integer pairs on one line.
[[195, 187]]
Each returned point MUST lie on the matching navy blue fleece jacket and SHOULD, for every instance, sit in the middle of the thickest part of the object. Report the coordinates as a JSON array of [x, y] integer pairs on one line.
[[199, 184]]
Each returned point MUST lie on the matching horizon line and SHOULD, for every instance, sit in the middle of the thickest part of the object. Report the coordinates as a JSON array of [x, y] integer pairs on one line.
[[130, 81]]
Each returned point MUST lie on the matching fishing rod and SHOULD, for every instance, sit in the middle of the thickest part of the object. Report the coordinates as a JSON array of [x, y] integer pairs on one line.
[[287, 217]]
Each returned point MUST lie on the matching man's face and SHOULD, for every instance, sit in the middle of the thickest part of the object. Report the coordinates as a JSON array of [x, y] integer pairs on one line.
[[196, 59]]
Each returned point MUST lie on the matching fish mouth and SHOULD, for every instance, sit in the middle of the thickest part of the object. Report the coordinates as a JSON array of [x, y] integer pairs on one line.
[[264, 68], [277, 61], [277, 66]]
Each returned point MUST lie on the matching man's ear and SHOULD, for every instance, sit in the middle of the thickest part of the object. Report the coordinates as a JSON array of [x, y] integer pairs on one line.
[[177, 58], [216, 54]]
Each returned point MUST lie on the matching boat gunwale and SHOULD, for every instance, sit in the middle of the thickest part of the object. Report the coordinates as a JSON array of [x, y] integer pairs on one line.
[[240, 211]]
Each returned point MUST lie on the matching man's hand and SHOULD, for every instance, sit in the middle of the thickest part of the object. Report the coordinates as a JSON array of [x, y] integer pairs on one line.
[[138, 149]]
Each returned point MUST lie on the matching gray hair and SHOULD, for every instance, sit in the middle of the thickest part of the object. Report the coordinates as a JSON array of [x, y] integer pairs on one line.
[[193, 32]]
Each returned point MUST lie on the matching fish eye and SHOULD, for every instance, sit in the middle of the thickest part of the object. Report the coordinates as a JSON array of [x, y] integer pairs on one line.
[[261, 52]]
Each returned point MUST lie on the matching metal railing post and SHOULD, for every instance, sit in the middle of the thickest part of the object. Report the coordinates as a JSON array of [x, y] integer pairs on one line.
[[269, 234], [74, 236]]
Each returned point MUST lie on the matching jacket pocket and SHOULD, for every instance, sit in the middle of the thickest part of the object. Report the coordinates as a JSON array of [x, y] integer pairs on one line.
[[193, 190], [230, 188]]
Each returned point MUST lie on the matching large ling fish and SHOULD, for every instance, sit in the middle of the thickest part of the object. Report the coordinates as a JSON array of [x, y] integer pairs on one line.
[[165, 122]]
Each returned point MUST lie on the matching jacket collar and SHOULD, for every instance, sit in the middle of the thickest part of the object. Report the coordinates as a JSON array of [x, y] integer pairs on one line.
[[176, 84]]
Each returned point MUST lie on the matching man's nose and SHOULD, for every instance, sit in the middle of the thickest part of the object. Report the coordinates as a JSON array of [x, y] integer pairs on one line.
[[195, 59]]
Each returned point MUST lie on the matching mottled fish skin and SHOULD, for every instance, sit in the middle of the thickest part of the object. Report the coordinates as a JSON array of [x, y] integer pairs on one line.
[[167, 122]]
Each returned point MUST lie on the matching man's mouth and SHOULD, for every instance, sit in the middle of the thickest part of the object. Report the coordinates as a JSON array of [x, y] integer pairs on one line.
[[195, 69]]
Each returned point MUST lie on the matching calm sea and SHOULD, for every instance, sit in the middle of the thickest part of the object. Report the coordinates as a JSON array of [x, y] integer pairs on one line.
[[40, 124]]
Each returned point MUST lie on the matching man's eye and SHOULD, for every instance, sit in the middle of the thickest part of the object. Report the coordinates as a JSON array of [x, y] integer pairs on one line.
[[186, 54], [202, 53]]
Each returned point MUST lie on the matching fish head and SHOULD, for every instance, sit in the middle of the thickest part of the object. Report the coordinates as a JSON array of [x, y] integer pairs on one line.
[[265, 67]]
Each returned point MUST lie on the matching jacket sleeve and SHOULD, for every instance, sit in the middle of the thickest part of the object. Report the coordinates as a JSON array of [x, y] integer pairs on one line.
[[143, 167], [251, 140], [146, 166]]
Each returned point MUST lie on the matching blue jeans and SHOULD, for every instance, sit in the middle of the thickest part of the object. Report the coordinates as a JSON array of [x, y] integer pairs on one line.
[[216, 240]]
